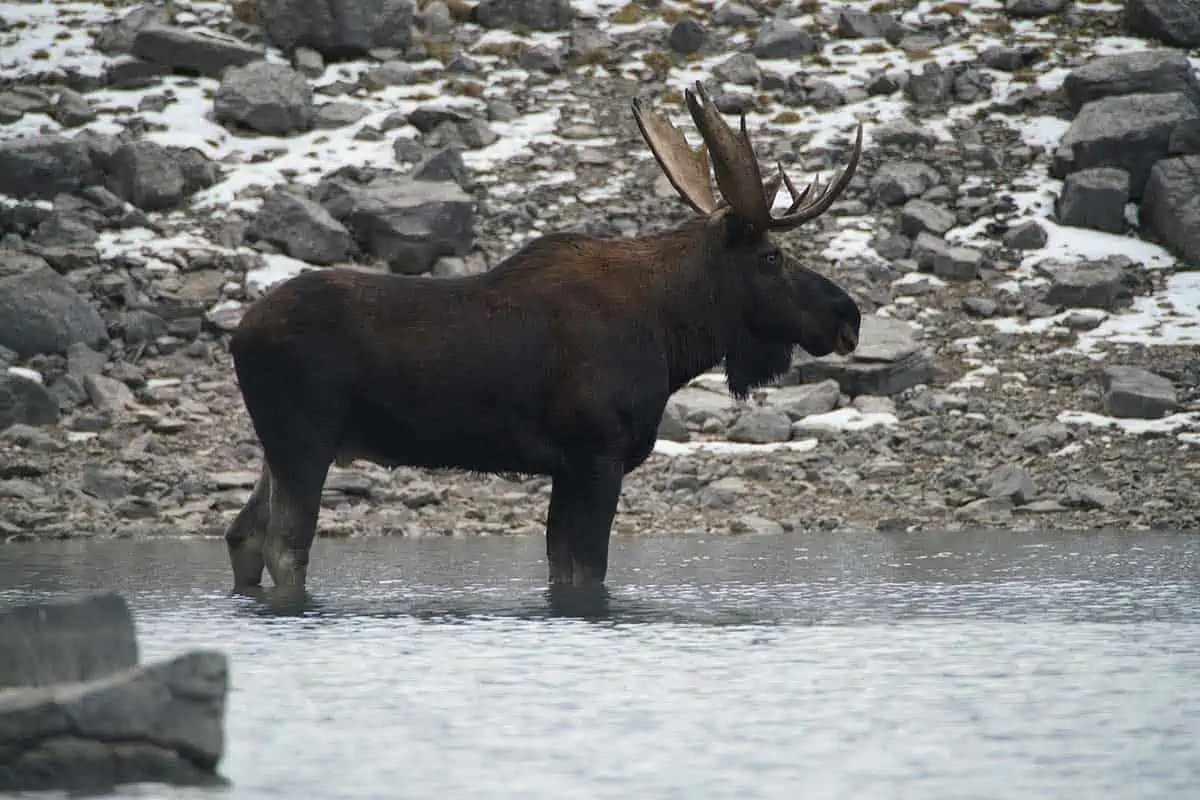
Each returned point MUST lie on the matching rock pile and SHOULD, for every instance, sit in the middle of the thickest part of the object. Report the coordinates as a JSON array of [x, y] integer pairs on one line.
[[1018, 236], [78, 713]]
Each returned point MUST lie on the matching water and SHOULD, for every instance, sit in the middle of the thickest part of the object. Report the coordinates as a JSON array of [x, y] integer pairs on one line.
[[989, 665]]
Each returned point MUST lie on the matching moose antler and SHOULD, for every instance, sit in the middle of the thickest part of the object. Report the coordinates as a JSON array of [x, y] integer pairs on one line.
[[735, 166], [685, 168]]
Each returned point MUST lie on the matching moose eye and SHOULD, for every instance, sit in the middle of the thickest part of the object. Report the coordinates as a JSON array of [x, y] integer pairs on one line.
[[772, 259]]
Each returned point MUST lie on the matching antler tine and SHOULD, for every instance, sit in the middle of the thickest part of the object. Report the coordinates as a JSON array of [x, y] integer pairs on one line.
[[802, 211], [733, 159], [797, 196], [685, 168]]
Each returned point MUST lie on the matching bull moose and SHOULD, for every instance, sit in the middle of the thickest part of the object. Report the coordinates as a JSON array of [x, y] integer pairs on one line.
[[558, 361]]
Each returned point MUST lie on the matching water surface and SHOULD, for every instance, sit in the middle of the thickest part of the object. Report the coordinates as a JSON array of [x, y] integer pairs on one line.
[[987, 665]]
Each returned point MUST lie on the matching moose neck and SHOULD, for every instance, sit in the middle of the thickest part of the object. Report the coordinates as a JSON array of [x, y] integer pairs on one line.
[[696, 315]]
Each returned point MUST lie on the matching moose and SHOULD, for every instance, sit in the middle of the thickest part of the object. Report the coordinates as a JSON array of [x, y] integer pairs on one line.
[[558, 361]]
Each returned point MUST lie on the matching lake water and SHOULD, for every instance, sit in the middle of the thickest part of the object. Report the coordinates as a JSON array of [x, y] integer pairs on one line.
[[984, 665]]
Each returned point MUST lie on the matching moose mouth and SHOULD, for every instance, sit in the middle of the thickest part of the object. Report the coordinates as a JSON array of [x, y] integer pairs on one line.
[[847, 340]]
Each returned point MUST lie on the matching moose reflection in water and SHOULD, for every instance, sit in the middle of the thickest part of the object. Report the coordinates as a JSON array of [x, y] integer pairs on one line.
[[559, 361]]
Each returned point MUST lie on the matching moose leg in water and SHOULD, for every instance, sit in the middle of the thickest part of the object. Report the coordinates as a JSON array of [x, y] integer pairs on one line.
[[583, 502], [247, 532]]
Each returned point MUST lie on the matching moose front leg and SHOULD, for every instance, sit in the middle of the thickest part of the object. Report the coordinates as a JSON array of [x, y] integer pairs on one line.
[[583, 502]]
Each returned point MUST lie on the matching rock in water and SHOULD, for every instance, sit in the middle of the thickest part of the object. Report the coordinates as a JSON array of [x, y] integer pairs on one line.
[[79, 714]]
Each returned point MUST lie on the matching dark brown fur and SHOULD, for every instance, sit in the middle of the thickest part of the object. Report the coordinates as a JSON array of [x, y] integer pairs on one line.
[[559, 361]]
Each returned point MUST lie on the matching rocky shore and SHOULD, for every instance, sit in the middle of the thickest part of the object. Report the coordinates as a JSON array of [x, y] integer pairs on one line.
[[78, 712], [1019, 234]]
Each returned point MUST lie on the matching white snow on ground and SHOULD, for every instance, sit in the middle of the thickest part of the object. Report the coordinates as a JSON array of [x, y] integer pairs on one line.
[[1134, 426], [669, 448]]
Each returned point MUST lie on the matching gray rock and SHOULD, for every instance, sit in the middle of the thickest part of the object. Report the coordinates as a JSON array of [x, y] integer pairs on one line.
[[1012, 483], [269, 98], [1086, 496], [301, 228], [116, 37], [541, 58], [44, 166], [803, 401], [888, 360], [1044, 438], [338, 29], [72, 109], [761, 426], [904, 134], [25, 402], [147, 175], [781, 38], [755, 525], [308, 62], [66, 641], [931, 86], [741, 69], [443, 164], [1028, 235], [1135, 393], [734, 15], [722, 493], [686, 36], [1128, 131], [1089, 284], [673, 427], [143, 327], [1173, 22], [407, 223], [1009, 59], [109, 394], [198, 51], [40, 311], [921, 215], [1034, 8], [589, 44], [958, 263], [538, 15], [867, 25], [927, 248], [162, 722], [898, 181], [1146, 71], [338, 114], [983, 307], [1095, 198], [1170, 208]]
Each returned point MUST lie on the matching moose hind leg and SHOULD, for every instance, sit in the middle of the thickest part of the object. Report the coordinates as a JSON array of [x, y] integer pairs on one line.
[[294, 509], [583, 503], [245, 535]]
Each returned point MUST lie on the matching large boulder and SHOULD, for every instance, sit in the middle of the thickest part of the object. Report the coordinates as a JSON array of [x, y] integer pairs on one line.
[[1174, 22], [301, 228], [268, 98], [44, 166], [40, 311], [338, 28], [408, 223], [888, 360], [24, 401], [1170, 208], [1142, 72], [78, 713], [202, 52], [538, 15], [1130, 132]]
